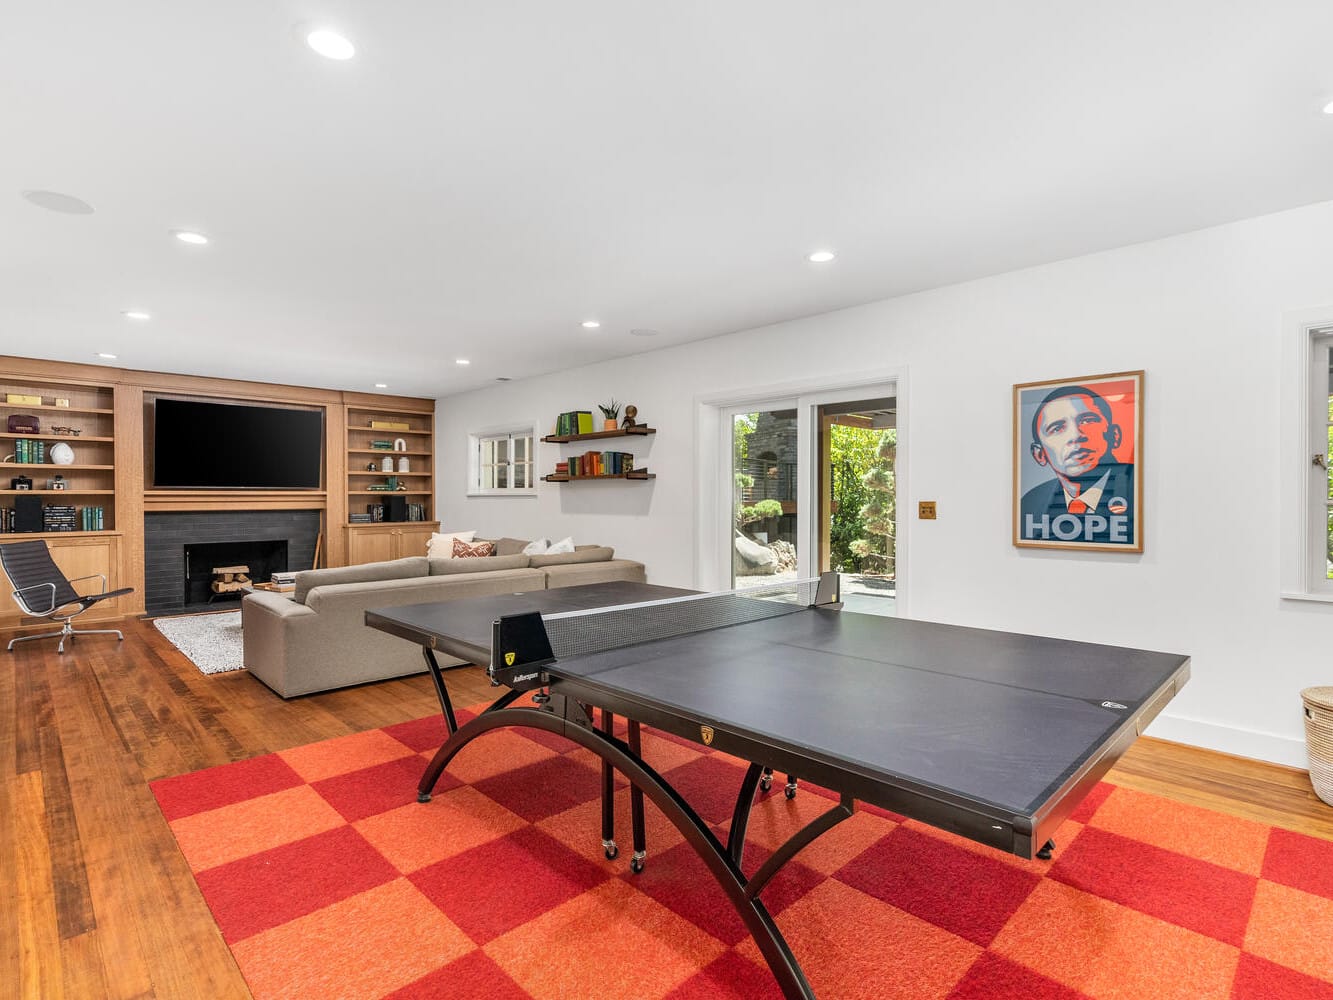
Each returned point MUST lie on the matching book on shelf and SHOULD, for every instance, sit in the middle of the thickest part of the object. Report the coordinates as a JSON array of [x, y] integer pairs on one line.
[[355, 518], [598, 463], [574, 422], [382, 445], [29, 452], [59, 517], [390, 425]]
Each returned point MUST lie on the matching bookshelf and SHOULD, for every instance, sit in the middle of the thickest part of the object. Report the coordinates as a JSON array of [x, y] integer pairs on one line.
[[86, 422], [413, 424], [90, 481], [637, 475]]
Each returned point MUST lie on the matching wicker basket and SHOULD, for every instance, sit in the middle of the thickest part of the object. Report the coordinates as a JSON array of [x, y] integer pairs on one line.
[[1319, 739]]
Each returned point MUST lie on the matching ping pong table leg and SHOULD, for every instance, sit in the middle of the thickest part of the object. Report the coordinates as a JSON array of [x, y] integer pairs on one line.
[[636, 807], [441, 692], [609, 847], [437, 763]]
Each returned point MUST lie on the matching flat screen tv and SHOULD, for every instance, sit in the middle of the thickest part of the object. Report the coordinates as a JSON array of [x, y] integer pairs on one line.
[[205, 445]]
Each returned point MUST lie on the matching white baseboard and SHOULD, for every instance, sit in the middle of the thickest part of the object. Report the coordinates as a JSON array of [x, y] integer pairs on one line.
[[1241, 742]]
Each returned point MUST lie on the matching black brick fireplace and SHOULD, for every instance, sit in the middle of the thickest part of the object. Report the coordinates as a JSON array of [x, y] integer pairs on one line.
[[166, 536]]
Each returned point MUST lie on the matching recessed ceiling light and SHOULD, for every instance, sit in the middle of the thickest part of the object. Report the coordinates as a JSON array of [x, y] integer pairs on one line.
[[591, 324], [642, 332], [330, 44], [381, 385], [503, 378], [820, 256], [462, 361], [108, 357], [190, 237], [1328, 108], [136, 314], [54, 201]]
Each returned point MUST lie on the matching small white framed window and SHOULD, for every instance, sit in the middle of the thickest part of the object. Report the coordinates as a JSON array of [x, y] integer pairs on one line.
[[1306, 449], [502, 462], [1319, 498]]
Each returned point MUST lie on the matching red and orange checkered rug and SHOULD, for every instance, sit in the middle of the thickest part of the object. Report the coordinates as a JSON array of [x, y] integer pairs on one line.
[[329, 880]]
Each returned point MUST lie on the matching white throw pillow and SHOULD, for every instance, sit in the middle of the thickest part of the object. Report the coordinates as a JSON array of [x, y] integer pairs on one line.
[[441, 544], [537, 547], [556, 548]]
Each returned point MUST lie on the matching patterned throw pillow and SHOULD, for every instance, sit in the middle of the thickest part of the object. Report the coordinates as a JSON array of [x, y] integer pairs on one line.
[[464, 550]]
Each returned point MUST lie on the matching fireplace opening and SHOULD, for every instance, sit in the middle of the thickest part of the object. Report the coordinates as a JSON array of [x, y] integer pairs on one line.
[[262, 557]]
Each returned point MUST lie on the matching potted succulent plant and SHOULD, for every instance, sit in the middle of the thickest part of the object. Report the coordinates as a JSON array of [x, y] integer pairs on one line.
[[611, 411]]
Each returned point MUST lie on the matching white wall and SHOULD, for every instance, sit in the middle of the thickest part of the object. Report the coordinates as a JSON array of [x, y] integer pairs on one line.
[[1201, 313]]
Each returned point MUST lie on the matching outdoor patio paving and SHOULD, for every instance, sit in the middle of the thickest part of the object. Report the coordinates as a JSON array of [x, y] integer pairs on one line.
[[863, 594]]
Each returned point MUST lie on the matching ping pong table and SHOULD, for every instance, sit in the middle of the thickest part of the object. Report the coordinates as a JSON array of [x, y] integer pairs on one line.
[[990, 735]]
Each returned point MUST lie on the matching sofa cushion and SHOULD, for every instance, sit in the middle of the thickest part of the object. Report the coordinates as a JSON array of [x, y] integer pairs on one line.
[[444, 567], [440, 545], [472, 550], [565, 544], [582, 554], [510, 546], [394, 569]]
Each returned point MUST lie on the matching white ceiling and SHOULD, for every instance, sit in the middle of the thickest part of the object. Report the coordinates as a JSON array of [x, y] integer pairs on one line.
[[483, 176]]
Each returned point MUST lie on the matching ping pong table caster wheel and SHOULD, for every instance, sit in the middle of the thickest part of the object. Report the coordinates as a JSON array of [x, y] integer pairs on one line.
[[1045, 852], [636, 865], [790, 791], [611, 851], [423, 796], [766, 782]]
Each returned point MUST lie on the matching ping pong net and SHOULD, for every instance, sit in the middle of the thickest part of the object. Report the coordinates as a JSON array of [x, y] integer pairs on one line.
[[523, 644]]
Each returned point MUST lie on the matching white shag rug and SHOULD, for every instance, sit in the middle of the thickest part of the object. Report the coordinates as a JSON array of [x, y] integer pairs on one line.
[[212, 642]]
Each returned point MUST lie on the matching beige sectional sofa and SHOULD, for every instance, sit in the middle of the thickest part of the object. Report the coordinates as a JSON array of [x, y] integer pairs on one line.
[[316, 639]]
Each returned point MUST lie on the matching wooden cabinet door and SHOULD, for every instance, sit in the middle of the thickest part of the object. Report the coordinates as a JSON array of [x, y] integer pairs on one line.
[[412, 538], [78, 554], [370, 544]]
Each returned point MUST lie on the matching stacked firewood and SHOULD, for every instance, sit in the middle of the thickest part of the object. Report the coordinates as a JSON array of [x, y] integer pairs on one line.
[[229, 579]]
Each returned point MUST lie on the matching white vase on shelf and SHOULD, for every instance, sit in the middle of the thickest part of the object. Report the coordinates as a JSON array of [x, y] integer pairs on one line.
[[404, 465]]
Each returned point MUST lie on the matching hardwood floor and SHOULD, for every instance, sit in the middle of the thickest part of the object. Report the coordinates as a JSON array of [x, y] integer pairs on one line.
[[103, 905]]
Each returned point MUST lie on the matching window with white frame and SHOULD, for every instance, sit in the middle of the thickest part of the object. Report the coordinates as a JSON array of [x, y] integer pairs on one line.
[[1319, 548], [501, 462]]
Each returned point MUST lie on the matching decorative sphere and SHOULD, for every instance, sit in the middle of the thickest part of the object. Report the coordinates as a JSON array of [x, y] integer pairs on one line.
[[61, 454]]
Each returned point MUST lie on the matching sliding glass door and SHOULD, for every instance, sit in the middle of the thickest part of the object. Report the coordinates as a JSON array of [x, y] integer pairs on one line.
[[765, 519], [810, 485]]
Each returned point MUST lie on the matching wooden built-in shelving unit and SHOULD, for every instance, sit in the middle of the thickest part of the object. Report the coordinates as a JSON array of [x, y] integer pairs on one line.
[[113, 408], [90, 479], [389, 539]]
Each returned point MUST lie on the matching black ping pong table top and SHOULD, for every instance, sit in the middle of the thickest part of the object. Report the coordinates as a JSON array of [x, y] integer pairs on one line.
[[992, 735], [964, 727]]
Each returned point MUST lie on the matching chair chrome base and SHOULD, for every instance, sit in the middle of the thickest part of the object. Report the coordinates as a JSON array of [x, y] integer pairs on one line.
[[66, 632]]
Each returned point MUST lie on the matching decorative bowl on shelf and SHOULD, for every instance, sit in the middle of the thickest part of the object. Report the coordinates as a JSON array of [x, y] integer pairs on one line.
[[61, 454]]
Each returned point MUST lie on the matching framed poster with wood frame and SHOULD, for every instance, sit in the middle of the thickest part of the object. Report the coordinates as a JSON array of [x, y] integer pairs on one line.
[[1078, 454]]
